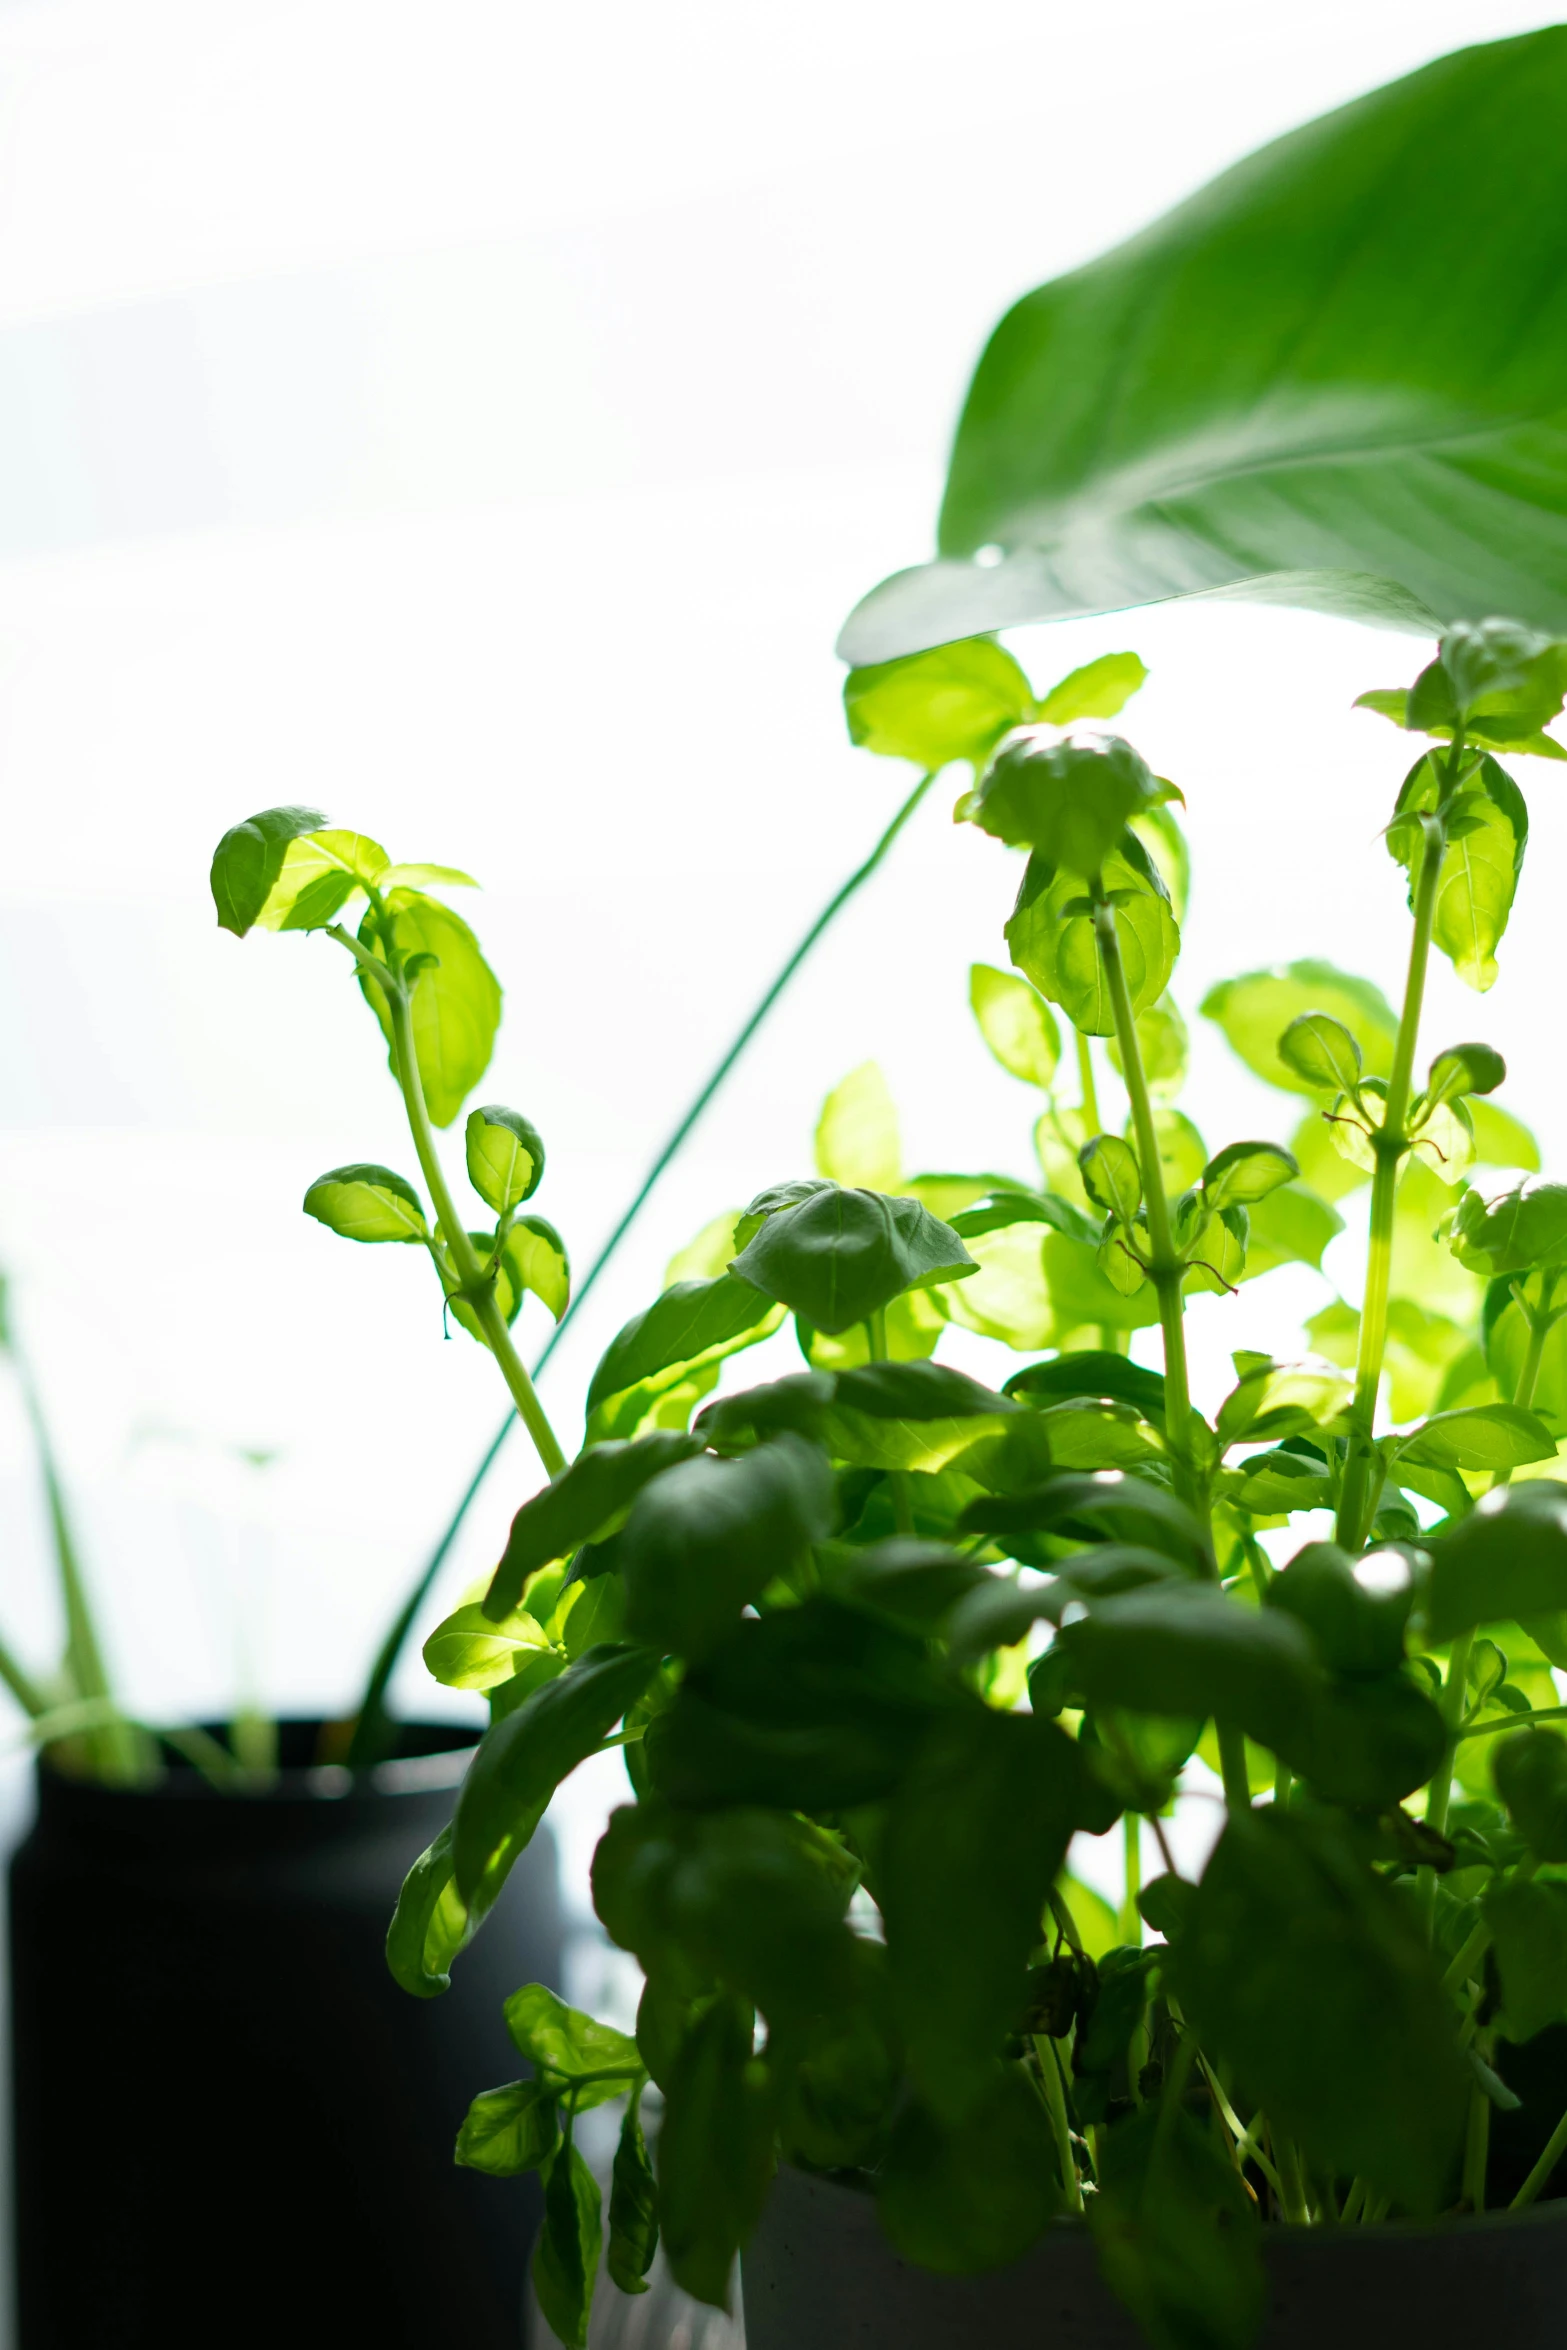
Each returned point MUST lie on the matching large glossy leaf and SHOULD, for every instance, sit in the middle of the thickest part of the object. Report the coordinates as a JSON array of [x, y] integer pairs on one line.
[[1335, 377], [839, 1255]]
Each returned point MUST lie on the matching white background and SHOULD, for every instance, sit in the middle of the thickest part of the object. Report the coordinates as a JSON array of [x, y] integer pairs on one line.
[[477, 419]]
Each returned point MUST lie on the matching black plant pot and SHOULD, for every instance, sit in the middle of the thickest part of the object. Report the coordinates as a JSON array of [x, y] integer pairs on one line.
[[230, 2124], [820, 2275]]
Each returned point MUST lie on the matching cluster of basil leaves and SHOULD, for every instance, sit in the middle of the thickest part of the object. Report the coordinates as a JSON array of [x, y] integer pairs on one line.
[[878, 1640]]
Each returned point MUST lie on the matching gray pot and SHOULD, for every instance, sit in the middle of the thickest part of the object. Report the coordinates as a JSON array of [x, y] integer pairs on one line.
[[820, 2275]]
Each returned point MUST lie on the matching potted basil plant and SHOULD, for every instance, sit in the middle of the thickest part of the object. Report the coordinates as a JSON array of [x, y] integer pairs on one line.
[[878, 1641], [232, 1885]]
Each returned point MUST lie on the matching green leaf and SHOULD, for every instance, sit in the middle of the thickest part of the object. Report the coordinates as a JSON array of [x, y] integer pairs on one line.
[[1323, 1052], [1069, 801], [1507, 1559], [691, 1325], [1528, 1925], [1099, 1507], [912, 1583], [955, 701], [839, 1256], [456, 999], [1463, 1069], [972, 2196], [1177, 2235], [1530, 1769], [505, 1156], [582, 1505], [1016, 1023], [715, 2150], [562, 2040], [248, 860], [1100, 689], [751, 1898], [522, 1760], [566, 2256], [366, 1202], [1366, 1744], [432, 1924], [915, 1415], [1162, 837], [1244, 1172], [1094, 1373], [319, 875], [1162, 1043], [511, 2130], [1053, 941], [1307, 1973], [973, 1840], [424, 877], [534, 1262], [710, 1535], [470, 1650], [1183, 1648], [1364, 448], [857, 1141], [633, 2205], [1487, 835], [1356, 1619], [815, 1708], [1502, 1140], [1492, 662], [1513, 1234], [1111, 1176], [1484, 1436], [1255, 1010], [1291, 1226]]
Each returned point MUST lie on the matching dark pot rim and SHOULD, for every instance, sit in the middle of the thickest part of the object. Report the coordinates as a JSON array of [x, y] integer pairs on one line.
[[857, 2188], [434, 1759]]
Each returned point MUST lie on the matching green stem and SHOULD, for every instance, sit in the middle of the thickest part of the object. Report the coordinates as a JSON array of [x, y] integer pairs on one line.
[[1358, 1494], [1477, 2145], [1165, 1270], [1166, 1273], [1555, 2148], [117, 1751], [1130, 1924], [1085, 1078], [897, 1479], [21, 1684], [1292, 2184], [1517, 1721], [370, 1736], [1455, 1688], [464, 1257], [1060, 2122]]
